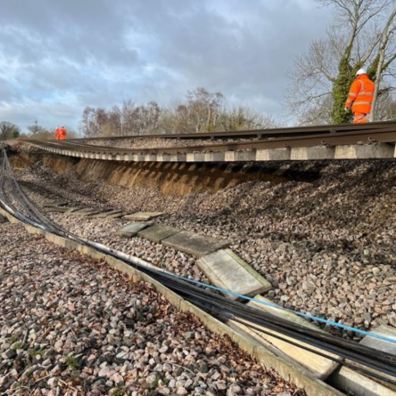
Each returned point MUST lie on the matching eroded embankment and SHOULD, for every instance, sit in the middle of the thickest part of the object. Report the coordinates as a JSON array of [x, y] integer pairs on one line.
[[169, 178], [323, 236]]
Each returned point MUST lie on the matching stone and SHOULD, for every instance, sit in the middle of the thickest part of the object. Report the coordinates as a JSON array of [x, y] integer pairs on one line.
[[11, 353], [228, 271], [152, 380], [132, 229], [158, 232], [52, 382], [181, 390], [197, 245]]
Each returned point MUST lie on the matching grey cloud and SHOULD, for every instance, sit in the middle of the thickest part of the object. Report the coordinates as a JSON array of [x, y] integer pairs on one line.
[[69, 54]]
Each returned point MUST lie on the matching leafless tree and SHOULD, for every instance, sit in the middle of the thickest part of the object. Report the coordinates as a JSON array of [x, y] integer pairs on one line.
[[363, 35], [201, 111], [8, 130]]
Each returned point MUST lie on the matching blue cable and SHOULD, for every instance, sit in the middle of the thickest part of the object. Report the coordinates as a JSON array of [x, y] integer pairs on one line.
[[306, 315]]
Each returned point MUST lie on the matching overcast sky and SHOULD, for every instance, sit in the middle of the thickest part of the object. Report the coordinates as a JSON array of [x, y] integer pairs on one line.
[[58, 56]]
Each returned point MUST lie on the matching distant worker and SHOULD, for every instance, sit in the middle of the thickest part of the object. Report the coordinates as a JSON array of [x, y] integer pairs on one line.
[[360, 97], [60, 133]]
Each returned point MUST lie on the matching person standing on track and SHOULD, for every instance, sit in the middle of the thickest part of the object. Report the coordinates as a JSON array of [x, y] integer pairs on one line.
[[60, 133], [360, 97]]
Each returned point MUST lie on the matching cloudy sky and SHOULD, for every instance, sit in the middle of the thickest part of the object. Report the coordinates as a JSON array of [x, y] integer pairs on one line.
[[58, 56]]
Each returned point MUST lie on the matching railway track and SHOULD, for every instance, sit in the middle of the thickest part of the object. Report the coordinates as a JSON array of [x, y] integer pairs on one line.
[[350, 142], [255, 133], [17, 204]]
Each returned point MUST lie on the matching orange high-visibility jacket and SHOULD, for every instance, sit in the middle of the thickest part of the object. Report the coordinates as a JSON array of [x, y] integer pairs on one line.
[[361, 95], [57, 133], [60, 133]]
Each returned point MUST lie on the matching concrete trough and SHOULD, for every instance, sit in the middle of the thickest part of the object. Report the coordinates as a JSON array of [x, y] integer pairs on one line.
[[158, 232], [132, 229], [228, 271], [320, 366], [354, 382], [194, 244]]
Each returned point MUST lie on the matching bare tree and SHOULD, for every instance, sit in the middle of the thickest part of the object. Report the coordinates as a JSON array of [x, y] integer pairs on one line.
[[385, 57], [363, 30], [202, 111], [141, 119], [39, 132], [8, 130]]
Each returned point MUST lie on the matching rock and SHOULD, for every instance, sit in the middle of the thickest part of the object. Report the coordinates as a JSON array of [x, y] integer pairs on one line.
[[152, 381], [203, 366], [181, 391], [52, 382], [11, 354], [221, 385], [117, 379], [233, 390]]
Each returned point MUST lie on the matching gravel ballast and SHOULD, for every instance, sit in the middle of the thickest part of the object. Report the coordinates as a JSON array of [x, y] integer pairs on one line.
[[70, 325], [324, 237]]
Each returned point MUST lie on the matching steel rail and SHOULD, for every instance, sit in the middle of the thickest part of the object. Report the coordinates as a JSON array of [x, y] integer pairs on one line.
[[212, 302], [384, 135], [251, 133]]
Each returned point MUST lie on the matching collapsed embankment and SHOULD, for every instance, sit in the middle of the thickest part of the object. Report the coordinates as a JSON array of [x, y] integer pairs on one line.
[[321, 232], [169, 178]]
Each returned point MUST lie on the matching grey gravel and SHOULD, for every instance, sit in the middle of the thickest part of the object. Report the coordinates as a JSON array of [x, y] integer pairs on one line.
[[69, 325], [324, 237]]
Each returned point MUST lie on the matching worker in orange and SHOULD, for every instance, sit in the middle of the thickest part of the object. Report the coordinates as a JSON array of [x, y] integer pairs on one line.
[[360, 97], [60, 133]]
